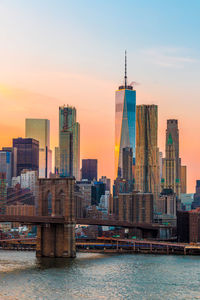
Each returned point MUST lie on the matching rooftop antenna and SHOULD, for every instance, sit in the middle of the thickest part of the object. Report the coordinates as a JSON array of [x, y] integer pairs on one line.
[[125, 77]]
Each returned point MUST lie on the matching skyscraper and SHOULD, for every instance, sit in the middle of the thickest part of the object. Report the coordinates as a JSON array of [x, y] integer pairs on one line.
[[125, 105], [127, 163], [39, 129], [147, 153], [57, 160], [27, 154], [89, 169], [183, 179], [6, 165], [172, 162], [69, 142]]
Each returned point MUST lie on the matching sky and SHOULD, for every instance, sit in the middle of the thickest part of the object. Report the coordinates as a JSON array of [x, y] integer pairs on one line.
[[72, 52]]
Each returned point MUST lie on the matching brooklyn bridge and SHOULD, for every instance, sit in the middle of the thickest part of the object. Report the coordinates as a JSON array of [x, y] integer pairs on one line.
[[56, 226]]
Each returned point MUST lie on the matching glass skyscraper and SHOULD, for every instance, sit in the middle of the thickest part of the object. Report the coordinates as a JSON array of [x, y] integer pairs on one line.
[[69, 142], [39, 129], [125, 123]]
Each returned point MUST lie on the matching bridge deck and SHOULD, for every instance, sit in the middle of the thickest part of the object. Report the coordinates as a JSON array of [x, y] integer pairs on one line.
[[37, 220]]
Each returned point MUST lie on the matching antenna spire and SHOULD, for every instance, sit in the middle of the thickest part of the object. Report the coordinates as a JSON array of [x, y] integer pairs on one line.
[[125, 77]]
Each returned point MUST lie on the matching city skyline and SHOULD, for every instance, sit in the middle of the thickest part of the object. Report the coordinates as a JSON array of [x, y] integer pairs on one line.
[[166, 69]]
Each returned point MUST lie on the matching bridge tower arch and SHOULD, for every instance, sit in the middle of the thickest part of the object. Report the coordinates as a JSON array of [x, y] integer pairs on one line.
[[56, 199]]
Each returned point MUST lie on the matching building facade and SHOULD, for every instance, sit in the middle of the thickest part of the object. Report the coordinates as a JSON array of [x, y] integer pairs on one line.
[[6, 165], [125, 110], [147, 152], [89, 169], [39, 129], [27, 154], [3, 193], [183, 179], [172, 162], [134, 207], [69, 142]]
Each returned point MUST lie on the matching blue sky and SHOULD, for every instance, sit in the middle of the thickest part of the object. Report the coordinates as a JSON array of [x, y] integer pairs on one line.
[[73, 51]]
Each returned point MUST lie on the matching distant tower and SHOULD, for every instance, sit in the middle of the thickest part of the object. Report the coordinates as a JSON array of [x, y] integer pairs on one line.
[[147, 152], [89, 169], [125, 105], [69, 142], [172, 162], [27, 154], [39, 129]]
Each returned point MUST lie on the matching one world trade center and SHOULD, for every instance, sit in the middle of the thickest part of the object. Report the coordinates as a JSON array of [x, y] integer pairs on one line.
[[125, 123]]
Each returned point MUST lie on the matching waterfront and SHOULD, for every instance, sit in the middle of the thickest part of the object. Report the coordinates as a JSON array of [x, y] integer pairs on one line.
[[99, 276]]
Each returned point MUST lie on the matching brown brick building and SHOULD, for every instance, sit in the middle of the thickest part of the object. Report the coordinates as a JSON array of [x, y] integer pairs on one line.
[[188, 226], [134, 207]]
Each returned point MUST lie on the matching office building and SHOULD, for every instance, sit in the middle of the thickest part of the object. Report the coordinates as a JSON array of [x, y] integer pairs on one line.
[[98, 189], [28, 179], [3, 193], [39, 129], [57, 160], [85, 187], [188, 226], [183, 179], [69, 142], [127, 163], [6, 165], [172, 162], [147, 153], [89, 169], [125, 105], [13, 152], [134, 207], [196, 201], [166, 203], [27, 154], [105, 180], [186, 201]]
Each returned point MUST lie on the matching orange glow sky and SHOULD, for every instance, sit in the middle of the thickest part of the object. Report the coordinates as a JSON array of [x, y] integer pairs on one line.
[[73, 54]]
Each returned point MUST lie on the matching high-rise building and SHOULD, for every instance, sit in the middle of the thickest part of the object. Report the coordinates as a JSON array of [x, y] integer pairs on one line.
[[39, 129], [27, 154], [134, 207], [69, 142], [105, 180], [3, 193], [98, 189], [89, 169], [6, 165], [147, 152], [166, 204], [125, 105], [127, 163], [13, 152], [183, 179], [57, 160], [196, 201], [172, 162]]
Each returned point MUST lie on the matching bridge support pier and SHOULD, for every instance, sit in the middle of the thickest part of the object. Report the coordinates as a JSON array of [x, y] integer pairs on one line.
[[56, 240]]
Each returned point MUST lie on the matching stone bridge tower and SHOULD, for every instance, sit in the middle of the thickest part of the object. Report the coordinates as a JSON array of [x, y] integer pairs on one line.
[[56, 199]]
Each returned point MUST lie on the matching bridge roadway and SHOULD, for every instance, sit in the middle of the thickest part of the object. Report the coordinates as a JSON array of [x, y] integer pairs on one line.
[[39, 220]]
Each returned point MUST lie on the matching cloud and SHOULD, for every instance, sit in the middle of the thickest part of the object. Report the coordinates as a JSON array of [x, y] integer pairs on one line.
[[168, 57]]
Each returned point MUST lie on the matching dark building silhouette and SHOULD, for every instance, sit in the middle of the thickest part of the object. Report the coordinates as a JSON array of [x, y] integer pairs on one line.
[[98, 189], [27, 154], [196, 202], [89, 169], [188, 226], [127, 163]]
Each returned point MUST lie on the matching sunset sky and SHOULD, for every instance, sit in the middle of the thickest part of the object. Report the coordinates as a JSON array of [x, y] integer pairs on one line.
[[72, 52]]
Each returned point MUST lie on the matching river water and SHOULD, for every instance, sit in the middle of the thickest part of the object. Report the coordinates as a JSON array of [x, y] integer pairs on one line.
[[98, 276]]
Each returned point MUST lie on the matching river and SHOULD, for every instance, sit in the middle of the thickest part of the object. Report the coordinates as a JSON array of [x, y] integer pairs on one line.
[[98, 276]]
